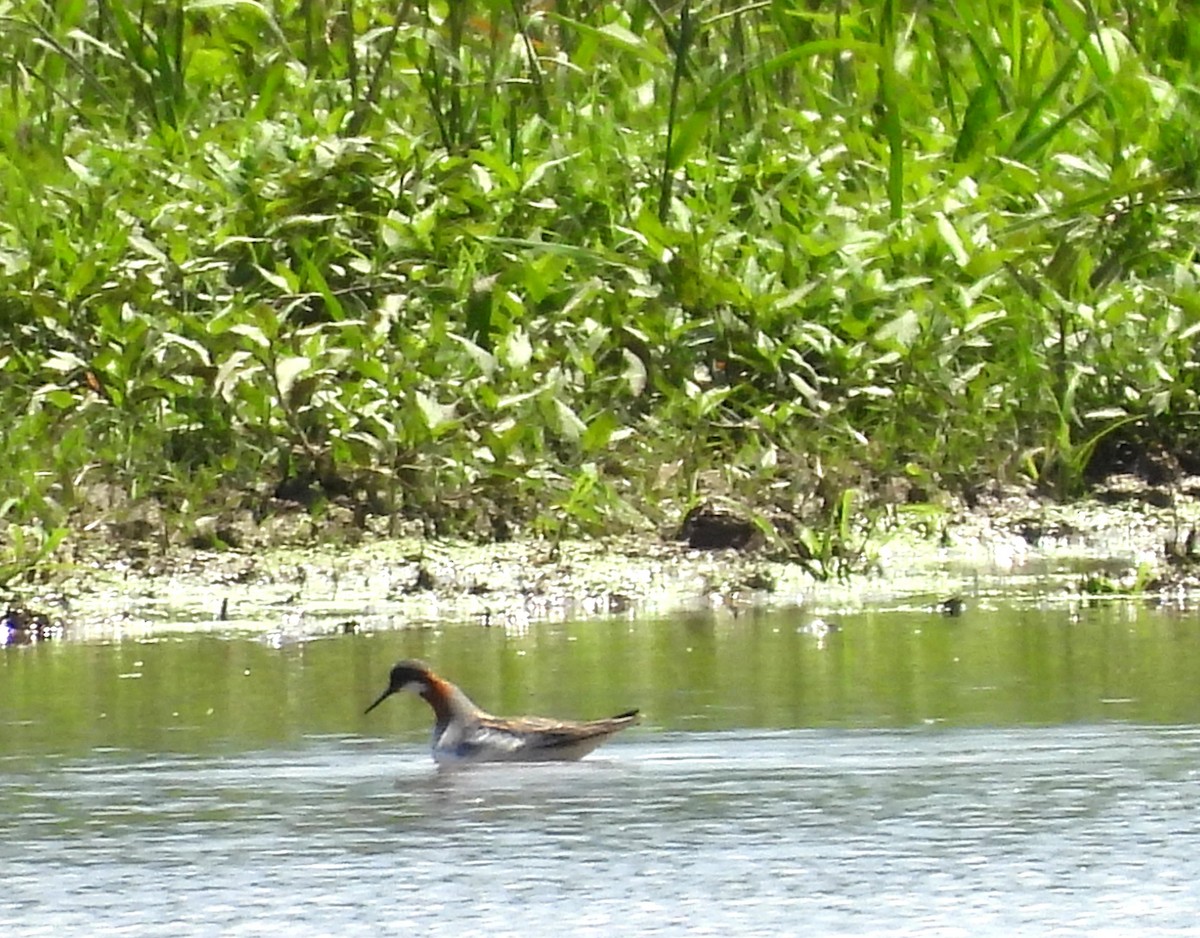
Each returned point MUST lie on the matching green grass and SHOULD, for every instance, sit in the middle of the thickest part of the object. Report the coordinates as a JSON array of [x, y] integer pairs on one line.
[[577, 265]]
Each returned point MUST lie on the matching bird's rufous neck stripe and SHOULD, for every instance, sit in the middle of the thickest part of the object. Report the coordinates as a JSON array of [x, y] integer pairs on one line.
[[438, 695]]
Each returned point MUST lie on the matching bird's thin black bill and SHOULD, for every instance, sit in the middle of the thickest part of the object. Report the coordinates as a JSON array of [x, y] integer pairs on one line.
[[382, 697]]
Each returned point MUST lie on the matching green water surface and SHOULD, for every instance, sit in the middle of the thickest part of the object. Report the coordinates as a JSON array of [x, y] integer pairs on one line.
[[992, 667]]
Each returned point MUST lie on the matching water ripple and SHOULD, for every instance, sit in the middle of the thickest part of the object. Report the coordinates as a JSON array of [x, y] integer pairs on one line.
[[947, 832]]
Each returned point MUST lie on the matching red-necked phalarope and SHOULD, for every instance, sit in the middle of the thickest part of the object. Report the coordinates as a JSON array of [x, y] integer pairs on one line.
[[464, 733]]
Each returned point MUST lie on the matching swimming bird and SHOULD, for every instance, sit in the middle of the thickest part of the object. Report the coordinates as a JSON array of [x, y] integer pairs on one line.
[[462, 732]]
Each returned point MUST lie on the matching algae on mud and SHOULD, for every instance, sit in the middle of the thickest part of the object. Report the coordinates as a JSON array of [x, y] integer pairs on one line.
[[1018, 546]]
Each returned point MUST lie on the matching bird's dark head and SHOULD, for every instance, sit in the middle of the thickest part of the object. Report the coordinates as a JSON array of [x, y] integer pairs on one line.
[[410, 675]]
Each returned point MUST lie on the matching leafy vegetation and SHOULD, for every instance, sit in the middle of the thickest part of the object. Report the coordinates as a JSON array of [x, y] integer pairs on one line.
[[567, 266]]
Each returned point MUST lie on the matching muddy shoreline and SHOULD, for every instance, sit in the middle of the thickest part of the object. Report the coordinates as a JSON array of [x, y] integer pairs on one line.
[[294, 579]]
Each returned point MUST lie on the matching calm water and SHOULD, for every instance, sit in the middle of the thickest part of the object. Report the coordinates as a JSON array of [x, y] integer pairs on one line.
[[1010, 771]]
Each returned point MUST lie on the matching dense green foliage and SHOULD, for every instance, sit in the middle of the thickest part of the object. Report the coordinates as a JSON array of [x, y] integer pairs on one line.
[[564, 263]]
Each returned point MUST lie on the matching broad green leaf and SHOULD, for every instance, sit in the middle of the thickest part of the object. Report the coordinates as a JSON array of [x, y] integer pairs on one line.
[[599, 431], [60, 397]]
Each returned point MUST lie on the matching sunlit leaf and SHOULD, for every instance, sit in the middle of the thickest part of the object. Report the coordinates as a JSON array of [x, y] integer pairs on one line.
[[616, 35], [435, 415], [901, 330], [63, 361], [569, 424], [518, 350], [635, 372], [1107, 413], [953, 241], [511, 400], [484, 360], [280, 282], [238, 367], [540, 171], [198, 350], [287, 370], [251, 332], [85, 175]]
